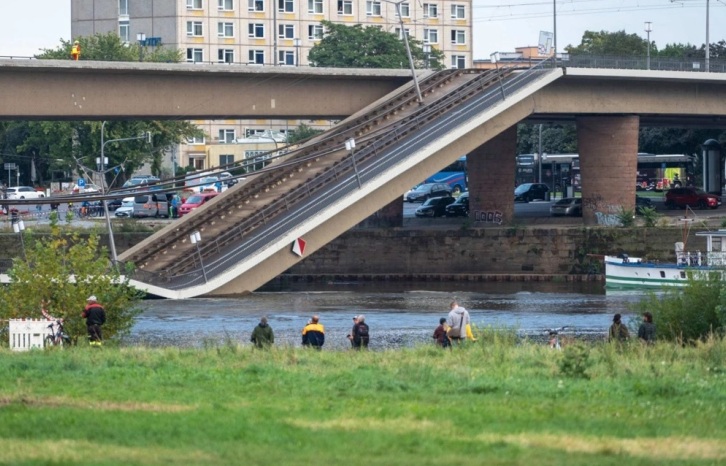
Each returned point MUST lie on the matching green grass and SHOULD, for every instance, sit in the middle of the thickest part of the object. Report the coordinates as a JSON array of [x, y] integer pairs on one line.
[[495, 402]]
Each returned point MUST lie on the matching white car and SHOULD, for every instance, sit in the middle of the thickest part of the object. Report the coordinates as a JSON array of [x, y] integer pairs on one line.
[[23, 192], [88, 188], [126, 209]]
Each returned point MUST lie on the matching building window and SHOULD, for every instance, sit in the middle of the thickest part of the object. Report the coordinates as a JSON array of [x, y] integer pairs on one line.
[[250, 132], [405, 10], [256, 57], [225, 5], [255, 5], [373, 8], [197, 161], [286, 57], [226, 136], [458, 36], [195, 140], [345, 7], [195, 55], [397, 31], [194, 28], [458, 61], [226, 159], [286, 31], [431, 10], [225, 56], [256, 30], [194, 4], [123, 31], [286, 6], [458, 12], [123, 7], [315, 7], [259, 157], [315, 31], [225, 29], [431, 36]]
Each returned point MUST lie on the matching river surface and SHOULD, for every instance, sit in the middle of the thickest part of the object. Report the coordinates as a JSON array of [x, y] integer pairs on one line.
[[399, 314]]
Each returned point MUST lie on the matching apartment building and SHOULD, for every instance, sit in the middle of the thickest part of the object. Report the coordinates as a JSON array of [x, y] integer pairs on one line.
[[266, 33]]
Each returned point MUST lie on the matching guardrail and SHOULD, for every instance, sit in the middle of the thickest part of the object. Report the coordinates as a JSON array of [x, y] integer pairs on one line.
[[641, 63]]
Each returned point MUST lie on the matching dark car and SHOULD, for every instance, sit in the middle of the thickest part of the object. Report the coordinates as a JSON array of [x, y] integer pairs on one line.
[[571, 206], [114, 204], [460, 208], [427, 191], [692, 197], [642, 203], [530, 191], [434, 207]]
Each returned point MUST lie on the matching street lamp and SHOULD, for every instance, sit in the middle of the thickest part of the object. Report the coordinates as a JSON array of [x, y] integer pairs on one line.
[[708, 46], [648, 29], [427, 51], [141, 38], [495, 59], [196, 238], [408, 48], [297, 42], [554, 24], [350, 146], [19, 227]]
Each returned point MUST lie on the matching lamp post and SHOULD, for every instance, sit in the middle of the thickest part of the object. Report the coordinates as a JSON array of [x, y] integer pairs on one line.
[[554, 25], [427, 52], [408, 49], [647, 30], [141, 38], [297, 42], [196, 238], [539, 155], [708, 45], [19, 227], [495, 59], [102, 172], [350, 146]]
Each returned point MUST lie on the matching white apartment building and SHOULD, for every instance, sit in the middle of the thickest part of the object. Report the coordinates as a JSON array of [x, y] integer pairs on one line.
[[266, 33]]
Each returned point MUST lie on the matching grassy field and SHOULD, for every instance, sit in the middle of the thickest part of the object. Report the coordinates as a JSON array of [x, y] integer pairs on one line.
[[494, 402]]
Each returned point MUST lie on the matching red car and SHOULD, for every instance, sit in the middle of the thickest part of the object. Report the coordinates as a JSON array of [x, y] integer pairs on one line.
[[692, 197], [195, 201]]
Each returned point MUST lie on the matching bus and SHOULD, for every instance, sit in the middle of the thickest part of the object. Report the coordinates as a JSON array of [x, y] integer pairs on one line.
[[558, 171], [455, 175]]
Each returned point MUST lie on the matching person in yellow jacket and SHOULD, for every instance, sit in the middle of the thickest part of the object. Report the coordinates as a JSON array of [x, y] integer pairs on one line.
[[76, 50], [459, 323]]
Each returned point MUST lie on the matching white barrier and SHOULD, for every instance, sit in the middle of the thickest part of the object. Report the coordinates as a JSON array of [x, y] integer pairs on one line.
[[26, 334]]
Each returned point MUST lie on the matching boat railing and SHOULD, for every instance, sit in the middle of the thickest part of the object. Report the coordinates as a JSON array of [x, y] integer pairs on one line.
[[717, 259], [689, 258]]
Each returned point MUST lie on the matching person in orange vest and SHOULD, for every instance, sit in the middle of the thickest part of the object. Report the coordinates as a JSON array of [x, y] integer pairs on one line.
[[76, 50]]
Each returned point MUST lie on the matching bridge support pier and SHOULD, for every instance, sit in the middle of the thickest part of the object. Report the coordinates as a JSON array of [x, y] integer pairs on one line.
[[491, 182], [390, 216], [608, 148]]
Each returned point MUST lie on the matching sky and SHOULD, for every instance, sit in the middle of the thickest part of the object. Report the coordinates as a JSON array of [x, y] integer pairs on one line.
[[499, 25]]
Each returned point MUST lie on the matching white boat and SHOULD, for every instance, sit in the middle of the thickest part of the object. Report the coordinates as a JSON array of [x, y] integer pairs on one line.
[[623, 271]]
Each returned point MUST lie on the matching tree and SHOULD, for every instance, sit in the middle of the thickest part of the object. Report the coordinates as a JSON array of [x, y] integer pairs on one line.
[[45, 275], [611, 43], [368, 47], [109, 47], [556, 139], [301, 133]]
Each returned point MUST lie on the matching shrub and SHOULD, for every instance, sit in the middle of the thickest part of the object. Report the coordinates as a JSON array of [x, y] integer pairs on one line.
[[575, 361], [626, 217], [650, 216]]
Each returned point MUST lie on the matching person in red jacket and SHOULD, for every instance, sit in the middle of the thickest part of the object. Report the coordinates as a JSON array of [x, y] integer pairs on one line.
[[95, 316]]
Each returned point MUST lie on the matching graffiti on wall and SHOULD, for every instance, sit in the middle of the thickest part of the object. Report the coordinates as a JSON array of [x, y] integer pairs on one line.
[[489, 216]]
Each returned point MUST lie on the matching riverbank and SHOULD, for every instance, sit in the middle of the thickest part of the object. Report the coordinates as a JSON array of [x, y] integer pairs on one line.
[[494, 402]]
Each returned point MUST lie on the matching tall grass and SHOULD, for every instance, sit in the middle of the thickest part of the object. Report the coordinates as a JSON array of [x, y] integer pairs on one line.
[[496, 401]]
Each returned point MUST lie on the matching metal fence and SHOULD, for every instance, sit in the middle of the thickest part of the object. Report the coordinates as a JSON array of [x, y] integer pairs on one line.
[[641, 63]]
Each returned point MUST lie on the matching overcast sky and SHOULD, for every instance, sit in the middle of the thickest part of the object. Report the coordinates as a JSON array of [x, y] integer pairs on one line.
[[499, 25]]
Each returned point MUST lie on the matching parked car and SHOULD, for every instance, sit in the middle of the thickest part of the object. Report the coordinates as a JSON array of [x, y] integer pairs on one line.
[[141, 180], [530, 191], [114, 204], [126, 209], [642, 203], [23, 192], [435, 207], [460, 207], [428, 190], [195, 201], [570, 206], [227, 179], [692, 197], [87, 188], [151, 205]]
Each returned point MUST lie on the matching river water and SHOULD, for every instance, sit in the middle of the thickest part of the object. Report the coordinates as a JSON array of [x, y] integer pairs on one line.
[[399, 314]]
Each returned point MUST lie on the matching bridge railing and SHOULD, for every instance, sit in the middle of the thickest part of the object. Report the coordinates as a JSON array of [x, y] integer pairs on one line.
[[641, 63], [380, 155]]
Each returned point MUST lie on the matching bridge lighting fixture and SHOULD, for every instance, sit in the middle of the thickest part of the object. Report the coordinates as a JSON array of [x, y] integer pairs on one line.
[[648, 29], [196, 238]]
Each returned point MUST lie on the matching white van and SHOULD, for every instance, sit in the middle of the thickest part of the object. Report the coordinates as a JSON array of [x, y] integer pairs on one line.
[[151, 205]]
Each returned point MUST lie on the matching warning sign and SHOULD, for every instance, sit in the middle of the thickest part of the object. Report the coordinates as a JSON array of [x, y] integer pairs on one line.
[[298, 247]]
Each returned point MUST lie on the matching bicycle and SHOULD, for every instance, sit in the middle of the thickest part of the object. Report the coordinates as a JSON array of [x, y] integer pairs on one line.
[[58, 337], [554, 334]]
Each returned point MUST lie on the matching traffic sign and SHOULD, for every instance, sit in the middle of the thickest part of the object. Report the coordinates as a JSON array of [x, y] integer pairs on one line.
[[81, 183]]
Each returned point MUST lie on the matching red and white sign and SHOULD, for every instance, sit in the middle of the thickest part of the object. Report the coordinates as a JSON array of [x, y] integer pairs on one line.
[[298, 247]]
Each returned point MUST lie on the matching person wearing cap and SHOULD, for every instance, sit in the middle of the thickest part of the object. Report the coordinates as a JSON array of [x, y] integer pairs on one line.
[[618, 331], [76, 50], [360, 333], [313, 334], [95, 317], [262, 335]]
